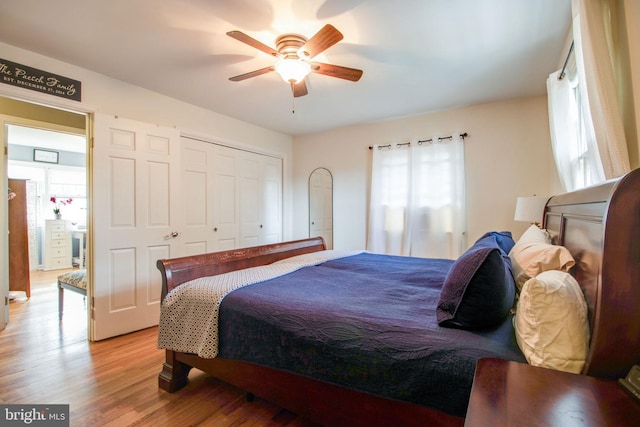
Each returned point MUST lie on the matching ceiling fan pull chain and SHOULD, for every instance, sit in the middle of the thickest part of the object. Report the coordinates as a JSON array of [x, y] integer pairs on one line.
[[293, 99]]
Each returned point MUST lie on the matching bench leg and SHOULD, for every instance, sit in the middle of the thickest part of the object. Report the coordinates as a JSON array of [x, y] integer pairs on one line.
[[60, 301]]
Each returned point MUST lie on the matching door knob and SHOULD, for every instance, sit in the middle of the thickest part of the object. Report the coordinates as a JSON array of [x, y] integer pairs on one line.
[[171, 235]]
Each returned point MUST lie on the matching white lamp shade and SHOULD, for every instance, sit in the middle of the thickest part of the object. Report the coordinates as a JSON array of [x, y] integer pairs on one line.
[[530, 209], [293, 70]]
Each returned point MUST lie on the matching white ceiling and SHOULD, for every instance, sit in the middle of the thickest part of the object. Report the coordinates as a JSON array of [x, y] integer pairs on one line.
[[418, 56]]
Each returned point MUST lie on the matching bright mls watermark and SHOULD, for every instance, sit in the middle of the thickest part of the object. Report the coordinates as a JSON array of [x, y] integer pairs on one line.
[[34, 415]]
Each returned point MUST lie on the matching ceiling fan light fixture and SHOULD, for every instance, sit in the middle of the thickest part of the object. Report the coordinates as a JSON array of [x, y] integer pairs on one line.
[[293, 70], [296, 53]]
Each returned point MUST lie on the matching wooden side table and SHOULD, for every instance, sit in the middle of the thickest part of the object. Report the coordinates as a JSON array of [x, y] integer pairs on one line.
[[507, 393]]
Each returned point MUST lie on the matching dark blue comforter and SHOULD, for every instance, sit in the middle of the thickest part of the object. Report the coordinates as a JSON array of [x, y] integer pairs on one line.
[[366, 322]]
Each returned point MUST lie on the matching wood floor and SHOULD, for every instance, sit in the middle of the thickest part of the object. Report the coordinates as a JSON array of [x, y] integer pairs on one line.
[[111, 382]]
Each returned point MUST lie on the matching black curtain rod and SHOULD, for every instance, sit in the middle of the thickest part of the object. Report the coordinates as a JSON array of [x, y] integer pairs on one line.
[[566, 61], [422, 141]]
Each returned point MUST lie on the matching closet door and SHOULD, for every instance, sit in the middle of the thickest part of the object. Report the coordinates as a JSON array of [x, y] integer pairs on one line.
[[226, 198], [250, 218], [198, 160], [271, 200], [211, 206], [233, 198], [260, 199]]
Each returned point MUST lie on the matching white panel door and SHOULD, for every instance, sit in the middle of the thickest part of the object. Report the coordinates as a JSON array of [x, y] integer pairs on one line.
[[271, 200], [260, 199], [136, 199], [250, 200], [209, 184], [226, 203], [197, 186]]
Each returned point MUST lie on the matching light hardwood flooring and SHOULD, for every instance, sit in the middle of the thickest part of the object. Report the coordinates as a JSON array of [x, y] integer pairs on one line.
[[111, 382]]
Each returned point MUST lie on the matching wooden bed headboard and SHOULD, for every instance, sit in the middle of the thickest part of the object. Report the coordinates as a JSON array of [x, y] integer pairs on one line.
[[180, 270], [600, 226]]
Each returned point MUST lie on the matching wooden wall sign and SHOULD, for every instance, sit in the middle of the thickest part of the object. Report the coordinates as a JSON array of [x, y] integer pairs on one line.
[[30, 78]]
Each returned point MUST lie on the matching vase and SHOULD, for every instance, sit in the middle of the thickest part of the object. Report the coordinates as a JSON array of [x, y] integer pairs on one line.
[[58, 216]]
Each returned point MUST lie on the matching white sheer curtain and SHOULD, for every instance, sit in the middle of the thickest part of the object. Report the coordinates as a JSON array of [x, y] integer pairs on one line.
[[418, 199], [596, 76], [563, 123], [576, 153]]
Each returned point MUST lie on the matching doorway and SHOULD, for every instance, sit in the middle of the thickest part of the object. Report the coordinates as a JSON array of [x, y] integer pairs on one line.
[[46, 149]]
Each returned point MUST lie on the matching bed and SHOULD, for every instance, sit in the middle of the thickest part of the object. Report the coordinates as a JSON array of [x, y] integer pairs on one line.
[[599, 226]]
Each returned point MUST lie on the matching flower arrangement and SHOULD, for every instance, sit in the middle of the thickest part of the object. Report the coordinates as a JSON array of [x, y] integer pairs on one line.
[[57, 203]]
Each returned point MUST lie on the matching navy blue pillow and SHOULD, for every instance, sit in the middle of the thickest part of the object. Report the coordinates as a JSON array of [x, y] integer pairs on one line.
[[479, 289], [503, 238]]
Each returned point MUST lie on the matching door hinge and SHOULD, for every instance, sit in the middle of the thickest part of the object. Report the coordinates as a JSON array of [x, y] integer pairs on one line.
[[93, 308], [6, 300]]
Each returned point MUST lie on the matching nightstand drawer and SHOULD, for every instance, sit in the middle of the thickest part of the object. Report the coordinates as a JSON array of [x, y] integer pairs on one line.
[[60, 251], [58, 235], [59, 262], [58, 243], [57, 228]]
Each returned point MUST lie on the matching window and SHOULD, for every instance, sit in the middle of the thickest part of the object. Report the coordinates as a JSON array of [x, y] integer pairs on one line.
[[417, 199], [587, 134]]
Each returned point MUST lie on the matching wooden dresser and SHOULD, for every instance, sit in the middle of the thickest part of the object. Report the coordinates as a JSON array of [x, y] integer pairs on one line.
[[56, 245], [19, 239]]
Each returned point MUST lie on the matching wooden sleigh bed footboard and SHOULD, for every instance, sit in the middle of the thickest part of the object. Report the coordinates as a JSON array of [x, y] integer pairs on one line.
[[599, 225], [323, 403]]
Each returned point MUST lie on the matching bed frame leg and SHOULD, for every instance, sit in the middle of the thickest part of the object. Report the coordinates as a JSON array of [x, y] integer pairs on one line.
[[174, 373]]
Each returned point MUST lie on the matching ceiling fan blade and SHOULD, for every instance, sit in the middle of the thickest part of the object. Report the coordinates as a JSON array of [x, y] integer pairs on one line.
[[338, 71], [252, 74], [240, 36], [299, 89], [321, 41]]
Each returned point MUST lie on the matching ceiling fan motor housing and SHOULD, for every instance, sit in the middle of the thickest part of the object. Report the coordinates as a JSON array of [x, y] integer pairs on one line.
[[289, 44]]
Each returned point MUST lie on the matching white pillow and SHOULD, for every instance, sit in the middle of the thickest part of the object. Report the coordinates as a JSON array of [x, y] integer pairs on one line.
[[551, 323], [533, 253]]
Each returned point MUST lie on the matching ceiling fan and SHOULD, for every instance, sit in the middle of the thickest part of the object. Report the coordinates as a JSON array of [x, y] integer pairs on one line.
[[295, 55]]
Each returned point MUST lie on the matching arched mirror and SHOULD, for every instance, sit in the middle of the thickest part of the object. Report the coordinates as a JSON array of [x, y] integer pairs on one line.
[[321, 205]]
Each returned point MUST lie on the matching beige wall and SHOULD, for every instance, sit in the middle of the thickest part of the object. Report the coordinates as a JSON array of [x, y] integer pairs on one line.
[[25, 110], [508, 154]]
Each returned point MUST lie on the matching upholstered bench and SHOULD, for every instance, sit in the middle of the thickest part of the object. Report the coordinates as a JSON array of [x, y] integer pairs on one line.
[[75, 281]]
